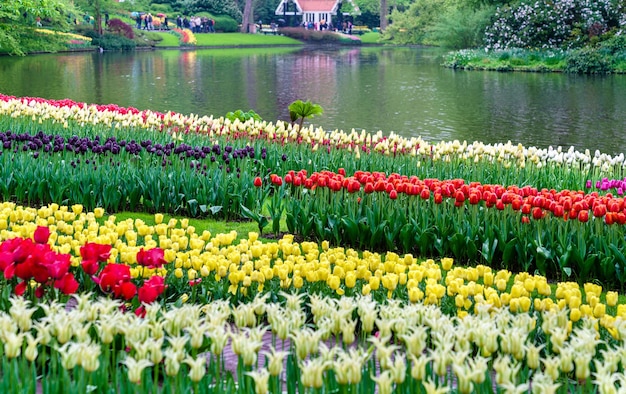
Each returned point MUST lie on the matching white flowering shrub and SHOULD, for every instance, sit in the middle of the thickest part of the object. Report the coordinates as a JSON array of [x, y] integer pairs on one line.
[[552, 24]]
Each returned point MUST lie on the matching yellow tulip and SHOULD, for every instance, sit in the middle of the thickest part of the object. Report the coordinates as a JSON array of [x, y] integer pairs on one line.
[[374, 283], [599, 310], [611, 298], [575, 314]]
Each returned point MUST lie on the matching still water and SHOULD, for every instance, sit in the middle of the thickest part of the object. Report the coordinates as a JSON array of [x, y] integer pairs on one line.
[[401, 90]]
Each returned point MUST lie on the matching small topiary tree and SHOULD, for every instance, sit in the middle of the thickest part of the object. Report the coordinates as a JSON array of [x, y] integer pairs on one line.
[[118, 27]]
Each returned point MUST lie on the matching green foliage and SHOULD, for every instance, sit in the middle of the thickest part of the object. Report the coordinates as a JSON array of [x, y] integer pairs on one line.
[[303, 109], [15, 14], [412, 26], [243, 116], [216, 7], [166, 9], [264, 10], [309, 35], [226, 24], [460, 28], [507, 60], [8, 41], [588, 61], [112, 42]]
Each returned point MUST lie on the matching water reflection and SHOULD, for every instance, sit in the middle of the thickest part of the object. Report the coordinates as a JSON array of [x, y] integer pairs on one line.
[[401, 90]]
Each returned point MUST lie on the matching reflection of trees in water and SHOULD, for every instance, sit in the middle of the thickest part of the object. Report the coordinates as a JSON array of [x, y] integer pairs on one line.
[[539, 109], [306, 76]]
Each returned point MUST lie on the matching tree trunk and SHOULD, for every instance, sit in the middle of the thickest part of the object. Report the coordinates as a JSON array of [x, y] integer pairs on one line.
[[247, 17], [97, 6], [383, 14]]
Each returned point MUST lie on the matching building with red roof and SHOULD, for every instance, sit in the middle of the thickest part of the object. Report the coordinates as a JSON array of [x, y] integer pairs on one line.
[[317, 11]]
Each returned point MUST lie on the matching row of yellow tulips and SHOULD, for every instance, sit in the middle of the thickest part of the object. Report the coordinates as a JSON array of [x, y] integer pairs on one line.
[[251, 266]]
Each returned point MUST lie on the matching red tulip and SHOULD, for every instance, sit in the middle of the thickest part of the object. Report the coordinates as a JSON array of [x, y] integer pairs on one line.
[[425, 194], [393, 194], [599, 210], [58, 265], [152, 258], [96, 252], [125, 290], [41, 235], [112, 276], [474, 198], [90, 266], [20, 288], [583, 216], [67, 284], [151, 289], [537, 213], [258, 182]]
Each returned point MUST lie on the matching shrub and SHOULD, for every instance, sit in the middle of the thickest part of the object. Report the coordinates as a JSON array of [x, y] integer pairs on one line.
[[112, 42], [33, 41], [118, 27], [300, 33], [539, 24], [587, 61], [226, 24], [460, 28]]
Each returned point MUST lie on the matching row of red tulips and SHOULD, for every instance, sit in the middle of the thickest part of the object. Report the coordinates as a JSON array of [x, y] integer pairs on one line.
[[566, 204], [521, 228]]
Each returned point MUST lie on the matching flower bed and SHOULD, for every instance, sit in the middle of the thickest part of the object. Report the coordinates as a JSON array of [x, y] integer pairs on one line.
[[369, 299], [397, 315]]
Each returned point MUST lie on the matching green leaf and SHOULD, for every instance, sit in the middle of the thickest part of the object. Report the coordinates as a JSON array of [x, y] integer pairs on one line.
[[509, 249]]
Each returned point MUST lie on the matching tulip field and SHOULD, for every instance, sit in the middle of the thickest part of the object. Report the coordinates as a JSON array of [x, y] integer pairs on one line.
[[380, 264]]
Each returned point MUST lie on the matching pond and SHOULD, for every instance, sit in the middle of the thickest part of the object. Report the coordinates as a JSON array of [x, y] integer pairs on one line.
[[401, 90]]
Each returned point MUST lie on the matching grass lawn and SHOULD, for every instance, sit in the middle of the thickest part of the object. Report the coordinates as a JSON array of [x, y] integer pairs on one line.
[[370, 38], [243, 39], [169, 40]]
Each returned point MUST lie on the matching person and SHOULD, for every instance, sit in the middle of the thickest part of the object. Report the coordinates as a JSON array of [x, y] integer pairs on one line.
[[145, 22], [211, 26], [165, 22], [106, 19], [186, 23], [138, 20], [39, 22], [150, 25], [260, 24]]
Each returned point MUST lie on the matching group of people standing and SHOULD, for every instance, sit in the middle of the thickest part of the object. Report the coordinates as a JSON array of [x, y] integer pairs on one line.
[[196, 24], [149, 22]]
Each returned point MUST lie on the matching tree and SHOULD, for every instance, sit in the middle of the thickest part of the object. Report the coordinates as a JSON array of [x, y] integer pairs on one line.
[[383, 15], [215, 7], [247, 17], [97, 7], [14, 14]]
